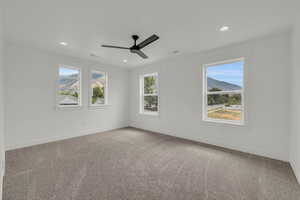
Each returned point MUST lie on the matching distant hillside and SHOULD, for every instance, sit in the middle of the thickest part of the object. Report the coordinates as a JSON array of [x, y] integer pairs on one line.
[[97, 83], [68, 83], [213, 83]]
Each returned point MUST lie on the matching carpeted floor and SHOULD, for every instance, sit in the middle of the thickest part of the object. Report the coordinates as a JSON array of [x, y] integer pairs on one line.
[[131, 164]]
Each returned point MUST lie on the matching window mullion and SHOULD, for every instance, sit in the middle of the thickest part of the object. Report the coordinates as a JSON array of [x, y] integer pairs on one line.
[[225, 92], [150, 95]]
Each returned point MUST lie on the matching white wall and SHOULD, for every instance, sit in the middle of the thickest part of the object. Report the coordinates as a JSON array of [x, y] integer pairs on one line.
[[31, 117], [2, 156], [267, 82], [295, 106]]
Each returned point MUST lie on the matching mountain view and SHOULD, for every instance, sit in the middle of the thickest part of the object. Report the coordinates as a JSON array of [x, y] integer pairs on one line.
[[69, 83], [222, 85], [98, 88], [69, 87], [225, 77]]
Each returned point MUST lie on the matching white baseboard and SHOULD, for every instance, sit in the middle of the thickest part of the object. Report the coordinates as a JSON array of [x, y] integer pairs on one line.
[[217, 143], [57, 138], [296, 171]]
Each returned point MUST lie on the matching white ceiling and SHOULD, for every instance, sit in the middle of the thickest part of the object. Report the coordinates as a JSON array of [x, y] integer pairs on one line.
[[184, 25]]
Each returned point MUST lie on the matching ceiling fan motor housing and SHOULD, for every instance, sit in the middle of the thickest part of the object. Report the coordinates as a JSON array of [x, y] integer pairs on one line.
[[135, 37], [137, 48], [134, 48]]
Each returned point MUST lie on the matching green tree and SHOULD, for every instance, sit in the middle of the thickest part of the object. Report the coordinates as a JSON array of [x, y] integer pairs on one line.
[[215, 99], [75, 94], [227, 99], [97, 93], [214, 90], [234, 99], [151, 103], [149, 84]]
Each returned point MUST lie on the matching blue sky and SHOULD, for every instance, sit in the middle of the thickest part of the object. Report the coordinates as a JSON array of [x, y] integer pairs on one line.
[[67, 71], [231, 73], [96, 75]]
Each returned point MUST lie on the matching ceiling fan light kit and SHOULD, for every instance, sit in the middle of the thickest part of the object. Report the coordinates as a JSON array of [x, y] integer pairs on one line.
[[136, 48]]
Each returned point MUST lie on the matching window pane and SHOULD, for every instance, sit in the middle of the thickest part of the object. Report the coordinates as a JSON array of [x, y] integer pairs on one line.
[[151, 103], [224, 106], [225, 77], [69, 86], [98, 85], [150, 85]]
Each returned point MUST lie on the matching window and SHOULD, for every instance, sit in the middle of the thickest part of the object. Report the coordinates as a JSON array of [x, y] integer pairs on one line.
[[98, 88], [69, 87], [223, 92], [149, 94]]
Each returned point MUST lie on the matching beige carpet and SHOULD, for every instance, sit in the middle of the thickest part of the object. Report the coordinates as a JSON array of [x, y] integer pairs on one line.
[[131, 164]]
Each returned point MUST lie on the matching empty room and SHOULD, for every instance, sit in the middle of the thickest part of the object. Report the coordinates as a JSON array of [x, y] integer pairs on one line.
[[149, 100]]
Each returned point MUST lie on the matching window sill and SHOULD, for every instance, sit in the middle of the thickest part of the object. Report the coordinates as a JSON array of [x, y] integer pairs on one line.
[[99, 107], [154, 114], [68, 107], [229, 122]]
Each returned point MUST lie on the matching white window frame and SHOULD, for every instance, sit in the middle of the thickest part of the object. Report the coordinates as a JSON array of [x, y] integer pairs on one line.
[[80, 87], [142, 94], [206, 93], [105, 89]]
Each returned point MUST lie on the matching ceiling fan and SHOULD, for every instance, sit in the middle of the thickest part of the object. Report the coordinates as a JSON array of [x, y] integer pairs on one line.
[[137, 48]]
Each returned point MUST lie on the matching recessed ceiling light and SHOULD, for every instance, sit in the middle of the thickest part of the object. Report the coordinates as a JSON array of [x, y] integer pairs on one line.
[[93, 55], [125, 61], [63, 43], [224, 28]]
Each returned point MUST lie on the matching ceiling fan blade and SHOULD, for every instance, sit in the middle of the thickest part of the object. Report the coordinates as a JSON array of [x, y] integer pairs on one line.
[[116, 47], [148, 41], [140, 53]]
